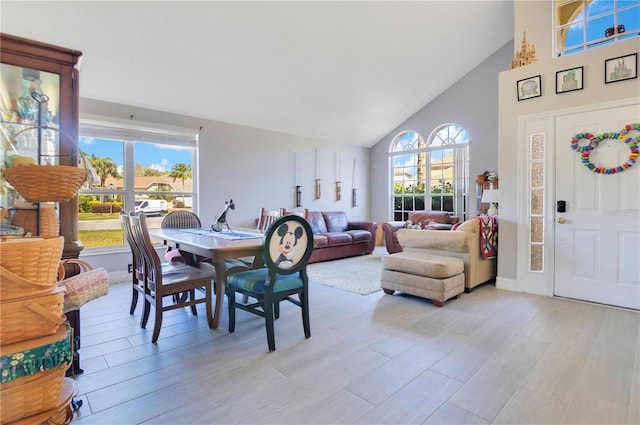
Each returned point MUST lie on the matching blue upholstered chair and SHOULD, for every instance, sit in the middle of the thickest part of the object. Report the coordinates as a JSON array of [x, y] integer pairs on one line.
[[288, 244]]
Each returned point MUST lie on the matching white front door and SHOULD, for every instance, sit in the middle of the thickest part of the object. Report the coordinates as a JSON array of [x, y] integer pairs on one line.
[[597, 239]]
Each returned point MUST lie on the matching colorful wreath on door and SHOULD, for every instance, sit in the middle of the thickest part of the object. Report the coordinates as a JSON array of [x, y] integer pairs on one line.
[[593, 142]]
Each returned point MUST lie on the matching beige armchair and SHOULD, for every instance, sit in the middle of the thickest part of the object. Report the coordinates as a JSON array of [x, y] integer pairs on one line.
[[464, 243]]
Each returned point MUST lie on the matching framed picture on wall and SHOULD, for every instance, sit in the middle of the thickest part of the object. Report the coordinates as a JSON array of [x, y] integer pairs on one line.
[[621, 68], [569, 80], [529, 88]]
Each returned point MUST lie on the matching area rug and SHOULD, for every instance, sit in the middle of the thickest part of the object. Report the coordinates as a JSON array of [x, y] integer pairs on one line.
[[360, 275]]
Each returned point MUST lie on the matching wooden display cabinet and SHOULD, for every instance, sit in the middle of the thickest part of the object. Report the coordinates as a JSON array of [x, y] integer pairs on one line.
[[29, 67]]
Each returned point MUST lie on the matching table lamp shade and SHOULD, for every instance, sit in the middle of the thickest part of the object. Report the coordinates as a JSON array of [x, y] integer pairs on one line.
[[491, 196]]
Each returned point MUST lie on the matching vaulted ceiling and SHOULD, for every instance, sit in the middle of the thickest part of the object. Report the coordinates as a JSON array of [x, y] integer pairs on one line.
[[338, 71]]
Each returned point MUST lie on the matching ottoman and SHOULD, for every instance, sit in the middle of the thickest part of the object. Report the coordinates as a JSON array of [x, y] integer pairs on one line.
[[435, 277]]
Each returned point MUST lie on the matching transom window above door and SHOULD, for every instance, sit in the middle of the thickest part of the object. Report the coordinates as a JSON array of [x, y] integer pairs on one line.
[[584, 24]]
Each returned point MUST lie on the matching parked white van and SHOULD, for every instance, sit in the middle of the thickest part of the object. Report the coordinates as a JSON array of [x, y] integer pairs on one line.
[[152, 206]]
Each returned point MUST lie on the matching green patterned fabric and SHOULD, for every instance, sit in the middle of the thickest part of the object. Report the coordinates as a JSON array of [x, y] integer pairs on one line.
[[37, 359], [253, 280]]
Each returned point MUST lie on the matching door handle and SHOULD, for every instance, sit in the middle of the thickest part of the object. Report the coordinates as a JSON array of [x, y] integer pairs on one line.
[[562, 220]]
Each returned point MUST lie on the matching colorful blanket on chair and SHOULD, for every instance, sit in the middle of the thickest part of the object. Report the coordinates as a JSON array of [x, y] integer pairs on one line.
[[488, 236]]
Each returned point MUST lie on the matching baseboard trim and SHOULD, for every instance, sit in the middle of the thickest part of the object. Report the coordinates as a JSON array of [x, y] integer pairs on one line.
[[507, 284]]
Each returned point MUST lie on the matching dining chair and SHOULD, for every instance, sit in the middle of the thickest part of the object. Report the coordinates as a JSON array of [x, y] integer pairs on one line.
[[183, 219], [301, 213], [288, 244], [267, 218], [161, 281], [179, 219], [137, 261]]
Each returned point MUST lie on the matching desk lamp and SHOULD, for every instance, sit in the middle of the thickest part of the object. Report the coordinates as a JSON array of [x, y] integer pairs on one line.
[[491, 196]]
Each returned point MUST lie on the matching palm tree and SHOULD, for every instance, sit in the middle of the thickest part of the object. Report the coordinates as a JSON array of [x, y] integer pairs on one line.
[[104, 167], [182, 172]]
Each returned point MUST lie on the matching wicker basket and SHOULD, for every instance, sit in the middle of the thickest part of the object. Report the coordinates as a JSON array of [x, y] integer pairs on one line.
[[33, 259], [32, 394], [38, 391], [32, 317], [25, 217], [81, 288], [46, 183]]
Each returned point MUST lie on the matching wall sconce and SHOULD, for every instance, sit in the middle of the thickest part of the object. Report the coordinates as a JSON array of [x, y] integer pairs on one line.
[[620, 29], [298, 196], [609, 31]]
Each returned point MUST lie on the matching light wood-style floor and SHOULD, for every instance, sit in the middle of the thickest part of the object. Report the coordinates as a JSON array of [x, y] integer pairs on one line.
[[491, 356]]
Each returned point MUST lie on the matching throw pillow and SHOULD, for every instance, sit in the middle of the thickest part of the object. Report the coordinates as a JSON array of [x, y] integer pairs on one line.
[[455, 226], [411, 225]]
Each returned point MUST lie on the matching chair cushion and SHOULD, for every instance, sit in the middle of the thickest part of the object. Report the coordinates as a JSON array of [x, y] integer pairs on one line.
[[253, 280], [416, 263], [337, 221], [173, 256], [360, 235], [316, 221], [320, 241], [339, 239]]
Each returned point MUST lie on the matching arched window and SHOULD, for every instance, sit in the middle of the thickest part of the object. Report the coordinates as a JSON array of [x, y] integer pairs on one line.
[[583, 24], [430, 176]]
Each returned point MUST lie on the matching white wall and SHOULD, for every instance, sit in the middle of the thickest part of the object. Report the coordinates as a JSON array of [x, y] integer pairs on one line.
[[254, 168], [471, 102], [510, 110]]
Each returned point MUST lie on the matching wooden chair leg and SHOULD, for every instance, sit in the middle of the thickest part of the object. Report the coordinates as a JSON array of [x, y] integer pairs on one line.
[[192, 294], [437, 303], [209, 304], [269, 323], [158, 321], [146, 309], [134, 301], [231, 302], [388, 291], [304, 304]]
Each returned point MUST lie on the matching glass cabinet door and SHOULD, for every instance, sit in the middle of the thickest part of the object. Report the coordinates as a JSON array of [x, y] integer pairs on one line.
[[29, 120]]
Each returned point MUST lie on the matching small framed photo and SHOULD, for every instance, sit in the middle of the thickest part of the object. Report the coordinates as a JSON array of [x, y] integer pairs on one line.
[[569, 80], [621, 68], [529, 88]]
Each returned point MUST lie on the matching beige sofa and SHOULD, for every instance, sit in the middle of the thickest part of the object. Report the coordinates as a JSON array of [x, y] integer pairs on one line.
[[463, 243]]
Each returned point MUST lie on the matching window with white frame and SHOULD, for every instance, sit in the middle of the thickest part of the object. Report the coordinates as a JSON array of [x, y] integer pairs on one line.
[[132, 169], [583, 24], [430, 175]]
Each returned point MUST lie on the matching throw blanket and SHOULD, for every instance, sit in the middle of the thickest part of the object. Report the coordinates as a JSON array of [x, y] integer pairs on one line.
[[488, 236]]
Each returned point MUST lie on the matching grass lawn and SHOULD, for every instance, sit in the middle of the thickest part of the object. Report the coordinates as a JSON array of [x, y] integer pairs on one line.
[[92, 216], [94, 238]]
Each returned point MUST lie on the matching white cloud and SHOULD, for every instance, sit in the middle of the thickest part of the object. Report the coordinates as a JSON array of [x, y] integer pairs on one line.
[[157, 167]]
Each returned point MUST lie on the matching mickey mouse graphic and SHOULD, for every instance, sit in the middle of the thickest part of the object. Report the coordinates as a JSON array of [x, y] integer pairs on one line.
[[288, 245]]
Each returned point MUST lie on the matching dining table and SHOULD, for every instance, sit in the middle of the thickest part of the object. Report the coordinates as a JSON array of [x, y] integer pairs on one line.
[[218, 246]]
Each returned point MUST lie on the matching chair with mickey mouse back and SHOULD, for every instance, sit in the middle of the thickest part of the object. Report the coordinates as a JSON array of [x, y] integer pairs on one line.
[[287, 247]]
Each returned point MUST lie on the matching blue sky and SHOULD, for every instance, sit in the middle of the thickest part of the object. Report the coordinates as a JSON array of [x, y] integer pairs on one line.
[[158, 157]]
